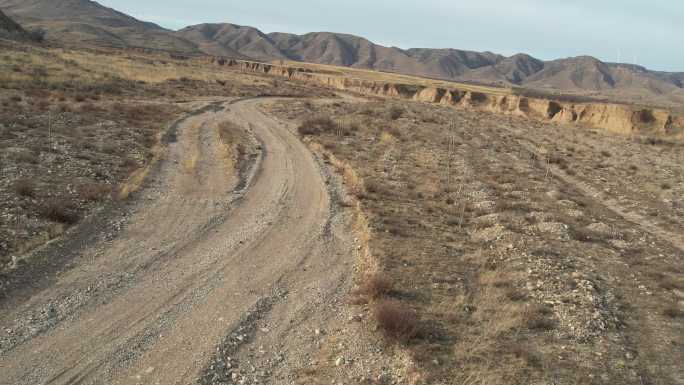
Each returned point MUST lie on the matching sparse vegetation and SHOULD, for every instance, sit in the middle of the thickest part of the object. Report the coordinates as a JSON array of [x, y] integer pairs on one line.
[[492, 255], [537, 317], [77, 123], [25, 156], [376, 286], [59, 210], [397, 321], [503, 249], [95, 192], [25, 187], [673, 311], [396, 112], [317, 125]]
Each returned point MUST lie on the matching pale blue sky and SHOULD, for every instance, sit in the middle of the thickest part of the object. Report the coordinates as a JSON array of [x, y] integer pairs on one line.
[[648, 32]]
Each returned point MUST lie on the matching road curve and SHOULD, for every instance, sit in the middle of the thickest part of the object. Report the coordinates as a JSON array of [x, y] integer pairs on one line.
[[195, 259]]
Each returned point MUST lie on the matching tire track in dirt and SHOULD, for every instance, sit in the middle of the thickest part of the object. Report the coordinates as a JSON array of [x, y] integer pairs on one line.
[[649, 226], [647, 331], [151, 305]]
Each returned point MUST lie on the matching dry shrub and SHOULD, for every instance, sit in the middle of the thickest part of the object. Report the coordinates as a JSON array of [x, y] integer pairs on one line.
[[515, 295], [582, 234], [655, 141], [228, 132], [25, 156], [538, 317], [396, 112], [558, 160], [317, 125], [129, 165], [42, 104], [58, 210], [94, 192], [376, 286], [348, 128], [374, 186], [393, 131], [139, 113], [397, 321], [25, 187], [668, 282], [673, 311], [504, 205]]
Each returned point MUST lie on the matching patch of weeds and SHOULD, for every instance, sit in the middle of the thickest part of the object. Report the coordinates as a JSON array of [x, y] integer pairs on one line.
[[94, 192], [376, 286], [538, 317], [25, 187], [397, 321], [673, 311], [396, 112], [58, 210], [317, 125], [25, 157]]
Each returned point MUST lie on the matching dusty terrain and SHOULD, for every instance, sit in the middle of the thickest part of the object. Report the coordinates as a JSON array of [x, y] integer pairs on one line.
[[532, 253], [175, 220], [205, 253], [79, 129]]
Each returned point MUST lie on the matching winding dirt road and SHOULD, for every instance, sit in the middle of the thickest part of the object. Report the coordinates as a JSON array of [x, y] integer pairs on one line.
[[204, 255]]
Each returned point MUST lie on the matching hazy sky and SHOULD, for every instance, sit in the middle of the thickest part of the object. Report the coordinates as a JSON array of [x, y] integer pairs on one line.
[[648, 32]]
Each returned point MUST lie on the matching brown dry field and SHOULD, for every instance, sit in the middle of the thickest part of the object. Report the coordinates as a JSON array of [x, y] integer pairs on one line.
[[491, 249], [531, 253]]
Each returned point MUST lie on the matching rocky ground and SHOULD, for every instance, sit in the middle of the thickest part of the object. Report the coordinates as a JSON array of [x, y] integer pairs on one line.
[[517, 240], [75, 136], [420, 244]]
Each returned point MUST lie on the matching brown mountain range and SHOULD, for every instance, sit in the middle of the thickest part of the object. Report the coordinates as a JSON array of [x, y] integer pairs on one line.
[[11, 29], [88, 22], [84, 21]]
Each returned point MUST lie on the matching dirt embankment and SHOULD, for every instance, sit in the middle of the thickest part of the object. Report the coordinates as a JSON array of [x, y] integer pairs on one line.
[[616, 118]]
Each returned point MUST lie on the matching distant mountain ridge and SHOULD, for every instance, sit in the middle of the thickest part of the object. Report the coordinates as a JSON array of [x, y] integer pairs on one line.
[[11, 29], [85, 21]]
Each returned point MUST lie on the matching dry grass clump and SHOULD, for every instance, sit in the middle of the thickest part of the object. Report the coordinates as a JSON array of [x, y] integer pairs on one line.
[[538, 317], [397, 321], [668, 282], [129, 165], [588, 235], [559, 160], [673, 311], [25, 187], [317, 125], [376, 286], [58, 210], [94, 192], [26, 156], [396, 112], [376, 186], [227, 132]]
